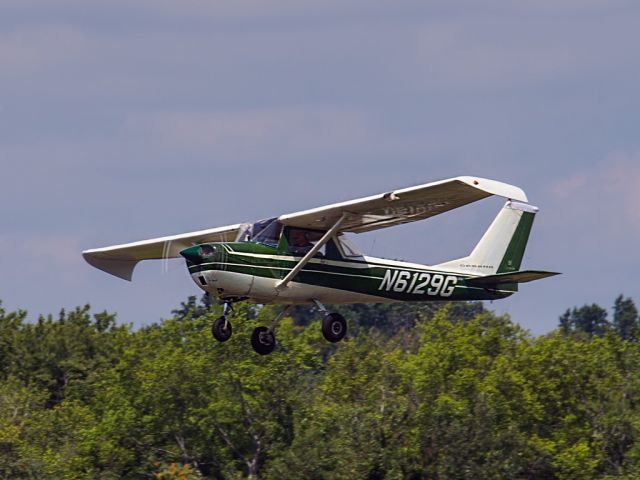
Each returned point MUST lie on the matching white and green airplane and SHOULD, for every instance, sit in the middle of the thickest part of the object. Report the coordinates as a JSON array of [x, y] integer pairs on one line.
[[305, 257]]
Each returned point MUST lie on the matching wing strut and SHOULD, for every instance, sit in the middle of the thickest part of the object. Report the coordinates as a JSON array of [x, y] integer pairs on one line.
[[304, 260]]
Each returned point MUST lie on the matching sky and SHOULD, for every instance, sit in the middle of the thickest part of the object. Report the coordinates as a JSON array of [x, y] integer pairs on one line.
[[126, 120]]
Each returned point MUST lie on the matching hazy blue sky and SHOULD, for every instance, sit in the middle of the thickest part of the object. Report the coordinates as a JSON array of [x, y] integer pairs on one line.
[[124, 120]]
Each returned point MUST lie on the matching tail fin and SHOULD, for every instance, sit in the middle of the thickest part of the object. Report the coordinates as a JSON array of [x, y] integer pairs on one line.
[[501, 248]]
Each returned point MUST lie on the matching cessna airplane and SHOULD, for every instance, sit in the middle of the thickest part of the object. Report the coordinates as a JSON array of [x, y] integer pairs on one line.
[[306, 257]]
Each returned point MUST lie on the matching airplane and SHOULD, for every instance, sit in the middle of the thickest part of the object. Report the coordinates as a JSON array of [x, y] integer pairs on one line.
[[306, 257]]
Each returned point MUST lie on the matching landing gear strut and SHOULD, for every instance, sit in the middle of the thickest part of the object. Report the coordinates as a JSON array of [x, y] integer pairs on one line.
[[221, 328], [334, 326]]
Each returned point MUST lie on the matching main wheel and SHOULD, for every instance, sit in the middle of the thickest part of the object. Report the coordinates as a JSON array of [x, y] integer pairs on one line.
[[221, 329], [334, 327], [263, 340]]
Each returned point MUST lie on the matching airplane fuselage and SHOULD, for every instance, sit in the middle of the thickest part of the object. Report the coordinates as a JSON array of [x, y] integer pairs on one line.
[[253, 271], [307, 256]]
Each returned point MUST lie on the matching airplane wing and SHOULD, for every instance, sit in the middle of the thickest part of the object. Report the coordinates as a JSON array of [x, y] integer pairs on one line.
[[403, 205], [120, 260]]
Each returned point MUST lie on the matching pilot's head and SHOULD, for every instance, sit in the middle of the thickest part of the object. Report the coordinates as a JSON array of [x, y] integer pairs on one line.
[[299, 238]]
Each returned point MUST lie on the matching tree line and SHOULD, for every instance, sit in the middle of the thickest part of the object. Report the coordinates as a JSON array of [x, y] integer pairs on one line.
[[416, 391], [592, 320]]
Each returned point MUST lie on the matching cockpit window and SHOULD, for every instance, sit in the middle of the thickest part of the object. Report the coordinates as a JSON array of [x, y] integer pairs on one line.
[[266, 232], [300, 240], [347, 247]]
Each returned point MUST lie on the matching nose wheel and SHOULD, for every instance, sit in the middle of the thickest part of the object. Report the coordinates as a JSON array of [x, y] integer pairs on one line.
[[263, 340], [221, 328]]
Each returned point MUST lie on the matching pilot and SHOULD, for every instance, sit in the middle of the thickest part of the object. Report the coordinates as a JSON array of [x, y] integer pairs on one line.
[[298, 241]]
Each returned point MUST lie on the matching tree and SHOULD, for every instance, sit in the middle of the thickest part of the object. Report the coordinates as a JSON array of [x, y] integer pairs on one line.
[[11, 323], [625, 318], [588, 319], [469, 401], [193, 309], [586, 420], [355, 422], [456, 395], [58, 354], [18, 405], [177, 396]]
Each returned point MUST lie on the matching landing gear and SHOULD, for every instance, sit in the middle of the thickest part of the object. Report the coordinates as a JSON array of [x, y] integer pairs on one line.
[[221, 328], [334, 326], [263, 340]]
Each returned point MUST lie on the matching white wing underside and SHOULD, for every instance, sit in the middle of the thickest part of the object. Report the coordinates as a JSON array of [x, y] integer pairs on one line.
[[402, 206], [120, 260], [362, 215]]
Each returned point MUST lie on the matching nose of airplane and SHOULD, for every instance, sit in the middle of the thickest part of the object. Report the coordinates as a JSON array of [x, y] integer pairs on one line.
[[192, 254]]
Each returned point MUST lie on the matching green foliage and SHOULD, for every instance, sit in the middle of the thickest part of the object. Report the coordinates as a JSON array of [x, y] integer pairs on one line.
[[592, 320], [626, 321], [588, 319], [414, 392], [392, 317]]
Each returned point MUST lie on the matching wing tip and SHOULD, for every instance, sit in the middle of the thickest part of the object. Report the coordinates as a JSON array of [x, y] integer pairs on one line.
[[117, 267], [495, 187]]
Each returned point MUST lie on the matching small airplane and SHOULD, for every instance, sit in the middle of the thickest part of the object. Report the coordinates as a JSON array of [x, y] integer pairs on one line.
[[307, 258]]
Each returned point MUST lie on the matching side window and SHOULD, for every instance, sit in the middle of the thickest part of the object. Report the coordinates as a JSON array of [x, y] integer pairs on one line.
[[300, 241], [348, 248]]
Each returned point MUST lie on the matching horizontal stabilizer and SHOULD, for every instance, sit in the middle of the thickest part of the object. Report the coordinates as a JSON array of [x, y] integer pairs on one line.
[[512, 277]]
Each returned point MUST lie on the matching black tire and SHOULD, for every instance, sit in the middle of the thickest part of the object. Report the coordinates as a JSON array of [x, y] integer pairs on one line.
[[218, 330], [334, 327], [263, 340]]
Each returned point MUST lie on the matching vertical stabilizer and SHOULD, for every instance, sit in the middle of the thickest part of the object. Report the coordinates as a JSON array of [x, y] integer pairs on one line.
[[501, 248]]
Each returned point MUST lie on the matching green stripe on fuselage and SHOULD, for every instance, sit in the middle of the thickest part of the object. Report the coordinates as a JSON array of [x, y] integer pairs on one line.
[[388, 281]]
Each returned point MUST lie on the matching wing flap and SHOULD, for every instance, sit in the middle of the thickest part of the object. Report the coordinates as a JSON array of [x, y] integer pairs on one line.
[[522, 276], [403, 205], [120, 260]]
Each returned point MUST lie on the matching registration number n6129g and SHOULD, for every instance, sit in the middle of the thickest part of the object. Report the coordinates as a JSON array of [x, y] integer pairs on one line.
[[419, 283]]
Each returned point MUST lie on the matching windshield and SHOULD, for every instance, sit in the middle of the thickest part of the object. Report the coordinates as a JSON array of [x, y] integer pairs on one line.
[[266, 232], [244, 232], [347, 247]]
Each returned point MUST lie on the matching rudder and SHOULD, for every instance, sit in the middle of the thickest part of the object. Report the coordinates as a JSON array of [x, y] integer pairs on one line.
[[501, 248]]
